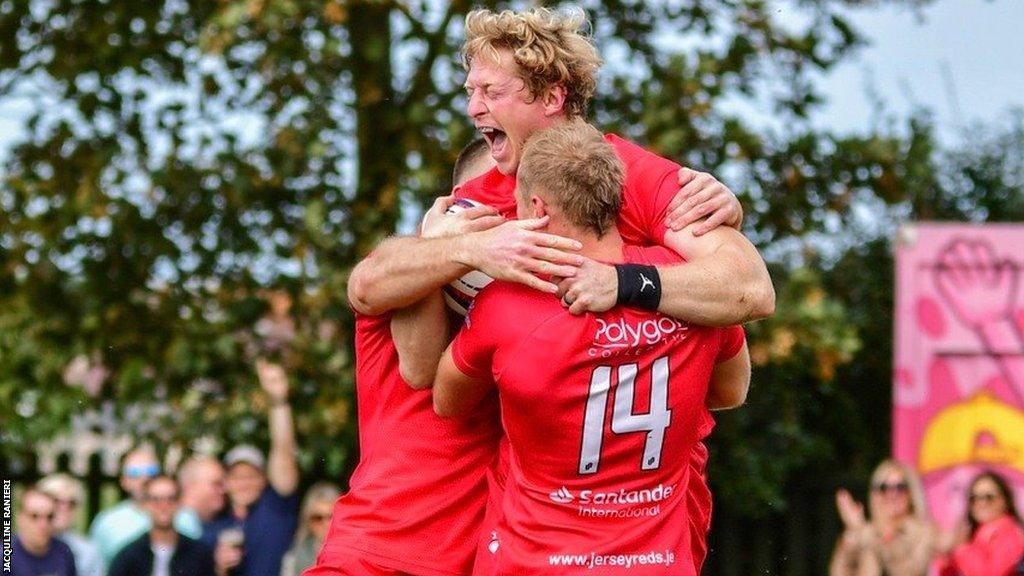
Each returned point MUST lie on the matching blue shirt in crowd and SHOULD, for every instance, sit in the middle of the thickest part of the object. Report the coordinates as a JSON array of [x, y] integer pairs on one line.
[[269, 529], [59, 561]]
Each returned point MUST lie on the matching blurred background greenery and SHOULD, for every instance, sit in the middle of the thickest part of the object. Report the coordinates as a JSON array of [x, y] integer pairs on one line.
[[198, 179]]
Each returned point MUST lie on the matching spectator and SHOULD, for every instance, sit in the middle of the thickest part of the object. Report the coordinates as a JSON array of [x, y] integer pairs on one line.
[[202, 489], [898, 540], [162, 551], [315, 519], [115, 527], [990, 540], [35, 550], [261, 494], [68, 493]]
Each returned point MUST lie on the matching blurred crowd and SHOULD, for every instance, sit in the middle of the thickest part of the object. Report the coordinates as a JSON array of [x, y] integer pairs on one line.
[[238, 515], [897, 537]]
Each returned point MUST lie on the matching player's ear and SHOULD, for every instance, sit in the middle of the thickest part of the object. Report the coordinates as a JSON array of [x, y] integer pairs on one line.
[[538, 208], [554, 100]]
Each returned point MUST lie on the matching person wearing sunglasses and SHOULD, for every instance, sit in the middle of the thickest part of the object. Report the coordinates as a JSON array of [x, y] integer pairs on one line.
[[315, 519], [162, 550], [897, 540], [990, 540], [68, 494], [115, 527], [35, 549]]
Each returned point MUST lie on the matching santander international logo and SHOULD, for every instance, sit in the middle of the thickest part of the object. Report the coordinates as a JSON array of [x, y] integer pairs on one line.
[[561, 496], [620, 333]]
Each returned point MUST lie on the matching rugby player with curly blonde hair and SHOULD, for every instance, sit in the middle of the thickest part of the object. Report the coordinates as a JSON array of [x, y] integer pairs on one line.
[[526, 71]]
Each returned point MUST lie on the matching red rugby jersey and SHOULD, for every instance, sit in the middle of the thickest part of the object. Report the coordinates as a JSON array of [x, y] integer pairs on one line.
[[650, 184], [603, 413], [416, 500]]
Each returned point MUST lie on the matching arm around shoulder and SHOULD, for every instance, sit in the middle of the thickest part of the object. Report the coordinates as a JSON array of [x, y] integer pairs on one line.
[[401, 271], [724, 280]]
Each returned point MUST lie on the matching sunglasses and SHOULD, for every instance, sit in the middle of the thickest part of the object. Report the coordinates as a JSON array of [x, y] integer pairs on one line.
[[319, 517], [37, 516], [987, 497], [142, 471], [894, 487]]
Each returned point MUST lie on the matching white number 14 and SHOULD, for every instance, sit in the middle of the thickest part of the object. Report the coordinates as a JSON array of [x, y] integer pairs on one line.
[[654, 422]]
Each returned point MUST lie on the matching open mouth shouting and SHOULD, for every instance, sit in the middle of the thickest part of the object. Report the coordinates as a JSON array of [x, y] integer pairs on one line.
[[496, 139]]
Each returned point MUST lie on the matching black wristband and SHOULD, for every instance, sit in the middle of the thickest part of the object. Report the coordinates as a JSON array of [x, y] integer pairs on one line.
[[639, 286]]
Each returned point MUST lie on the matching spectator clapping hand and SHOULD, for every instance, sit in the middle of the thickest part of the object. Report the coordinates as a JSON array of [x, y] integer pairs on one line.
[[851, 511]]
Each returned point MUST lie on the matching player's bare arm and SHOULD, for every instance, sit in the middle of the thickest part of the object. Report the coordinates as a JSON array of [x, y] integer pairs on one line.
[[420, 332], [455, 393], [724, 282], [403, 270], [730, 381]]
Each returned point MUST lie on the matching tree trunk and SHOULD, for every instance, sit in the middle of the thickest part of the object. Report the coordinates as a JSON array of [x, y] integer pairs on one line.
[[380, 150]]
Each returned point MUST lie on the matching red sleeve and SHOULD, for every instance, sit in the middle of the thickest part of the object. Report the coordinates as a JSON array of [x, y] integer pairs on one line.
[[651, 255], [657, 209], [994, 556], [473, 347], [733, 338], [651, 183]]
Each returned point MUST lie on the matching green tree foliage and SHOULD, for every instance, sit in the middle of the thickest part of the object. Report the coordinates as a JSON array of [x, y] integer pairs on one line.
[[198, 178]]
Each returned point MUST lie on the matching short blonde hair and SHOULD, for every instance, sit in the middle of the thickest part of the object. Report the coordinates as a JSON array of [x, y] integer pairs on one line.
[[577, 170], [62, 486], [549, 48]]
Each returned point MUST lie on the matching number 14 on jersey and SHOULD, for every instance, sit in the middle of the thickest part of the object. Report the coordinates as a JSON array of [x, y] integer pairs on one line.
[[624, 421]]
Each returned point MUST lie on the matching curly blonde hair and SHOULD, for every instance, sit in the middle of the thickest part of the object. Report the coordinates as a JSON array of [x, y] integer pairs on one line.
[[549, 47]]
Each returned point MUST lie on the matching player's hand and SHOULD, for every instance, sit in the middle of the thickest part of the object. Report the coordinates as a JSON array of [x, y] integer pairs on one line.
[[515, 251], [594, 288], [437, 224], [273, 380], [702, 195], [851, 511]]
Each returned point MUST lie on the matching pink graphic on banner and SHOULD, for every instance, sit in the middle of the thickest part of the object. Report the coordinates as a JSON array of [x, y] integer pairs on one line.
[[958, 382], [929, 317]]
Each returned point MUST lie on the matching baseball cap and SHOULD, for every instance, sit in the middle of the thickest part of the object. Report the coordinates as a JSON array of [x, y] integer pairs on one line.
[[245, 453]]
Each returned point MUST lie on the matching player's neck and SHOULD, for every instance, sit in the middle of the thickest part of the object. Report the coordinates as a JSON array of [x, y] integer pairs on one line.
[[607, 248]]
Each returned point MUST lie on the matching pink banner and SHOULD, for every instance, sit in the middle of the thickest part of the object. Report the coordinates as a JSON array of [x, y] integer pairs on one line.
[[958, 382]]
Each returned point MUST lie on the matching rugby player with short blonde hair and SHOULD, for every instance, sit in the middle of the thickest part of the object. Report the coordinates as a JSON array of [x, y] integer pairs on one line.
[[557, 375], [724, 282]]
